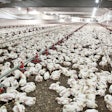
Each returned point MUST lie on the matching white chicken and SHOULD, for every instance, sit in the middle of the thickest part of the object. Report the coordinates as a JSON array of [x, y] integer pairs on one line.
[[17, 74], [109, 78], [30, 64], [22, 82], [10, 82], [38, 66], [59, 89], [12, 90], [63, 100], [38, 78], [42, 71], [6, 68], [5, 97], [110, 89], [46, 76], [3, 109], [55, 75], [54, 86], [27, 73], [91, 101], [65, 93], [29, 87], [1, 66], [50, 66], [91, 110], [72, 107], [66, 63], [33, 70], [18, 108], [12, 55], [29, 101], [108, 100]]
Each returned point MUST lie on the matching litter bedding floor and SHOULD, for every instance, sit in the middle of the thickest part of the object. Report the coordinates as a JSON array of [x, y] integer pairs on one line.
[[45, 98]]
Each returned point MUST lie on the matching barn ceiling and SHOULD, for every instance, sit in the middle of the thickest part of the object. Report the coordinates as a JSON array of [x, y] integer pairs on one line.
[[53, 9], [55, 3], [35, 13]]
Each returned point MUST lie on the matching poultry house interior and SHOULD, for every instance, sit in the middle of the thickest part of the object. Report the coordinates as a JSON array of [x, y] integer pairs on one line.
[[56, 56]]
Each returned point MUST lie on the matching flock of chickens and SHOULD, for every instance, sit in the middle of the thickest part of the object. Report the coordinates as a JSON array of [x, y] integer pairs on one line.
[[79, 57]]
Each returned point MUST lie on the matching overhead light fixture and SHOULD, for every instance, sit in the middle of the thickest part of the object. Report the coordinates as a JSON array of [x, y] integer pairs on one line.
[[94, 12], [61, 16], [97, 1], [88, 20], [19, 8], [61, 20], [75, 19], [33, 12]]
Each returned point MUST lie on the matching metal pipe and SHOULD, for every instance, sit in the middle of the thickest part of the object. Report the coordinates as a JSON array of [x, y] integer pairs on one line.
[[29, 35], [30, 59]]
